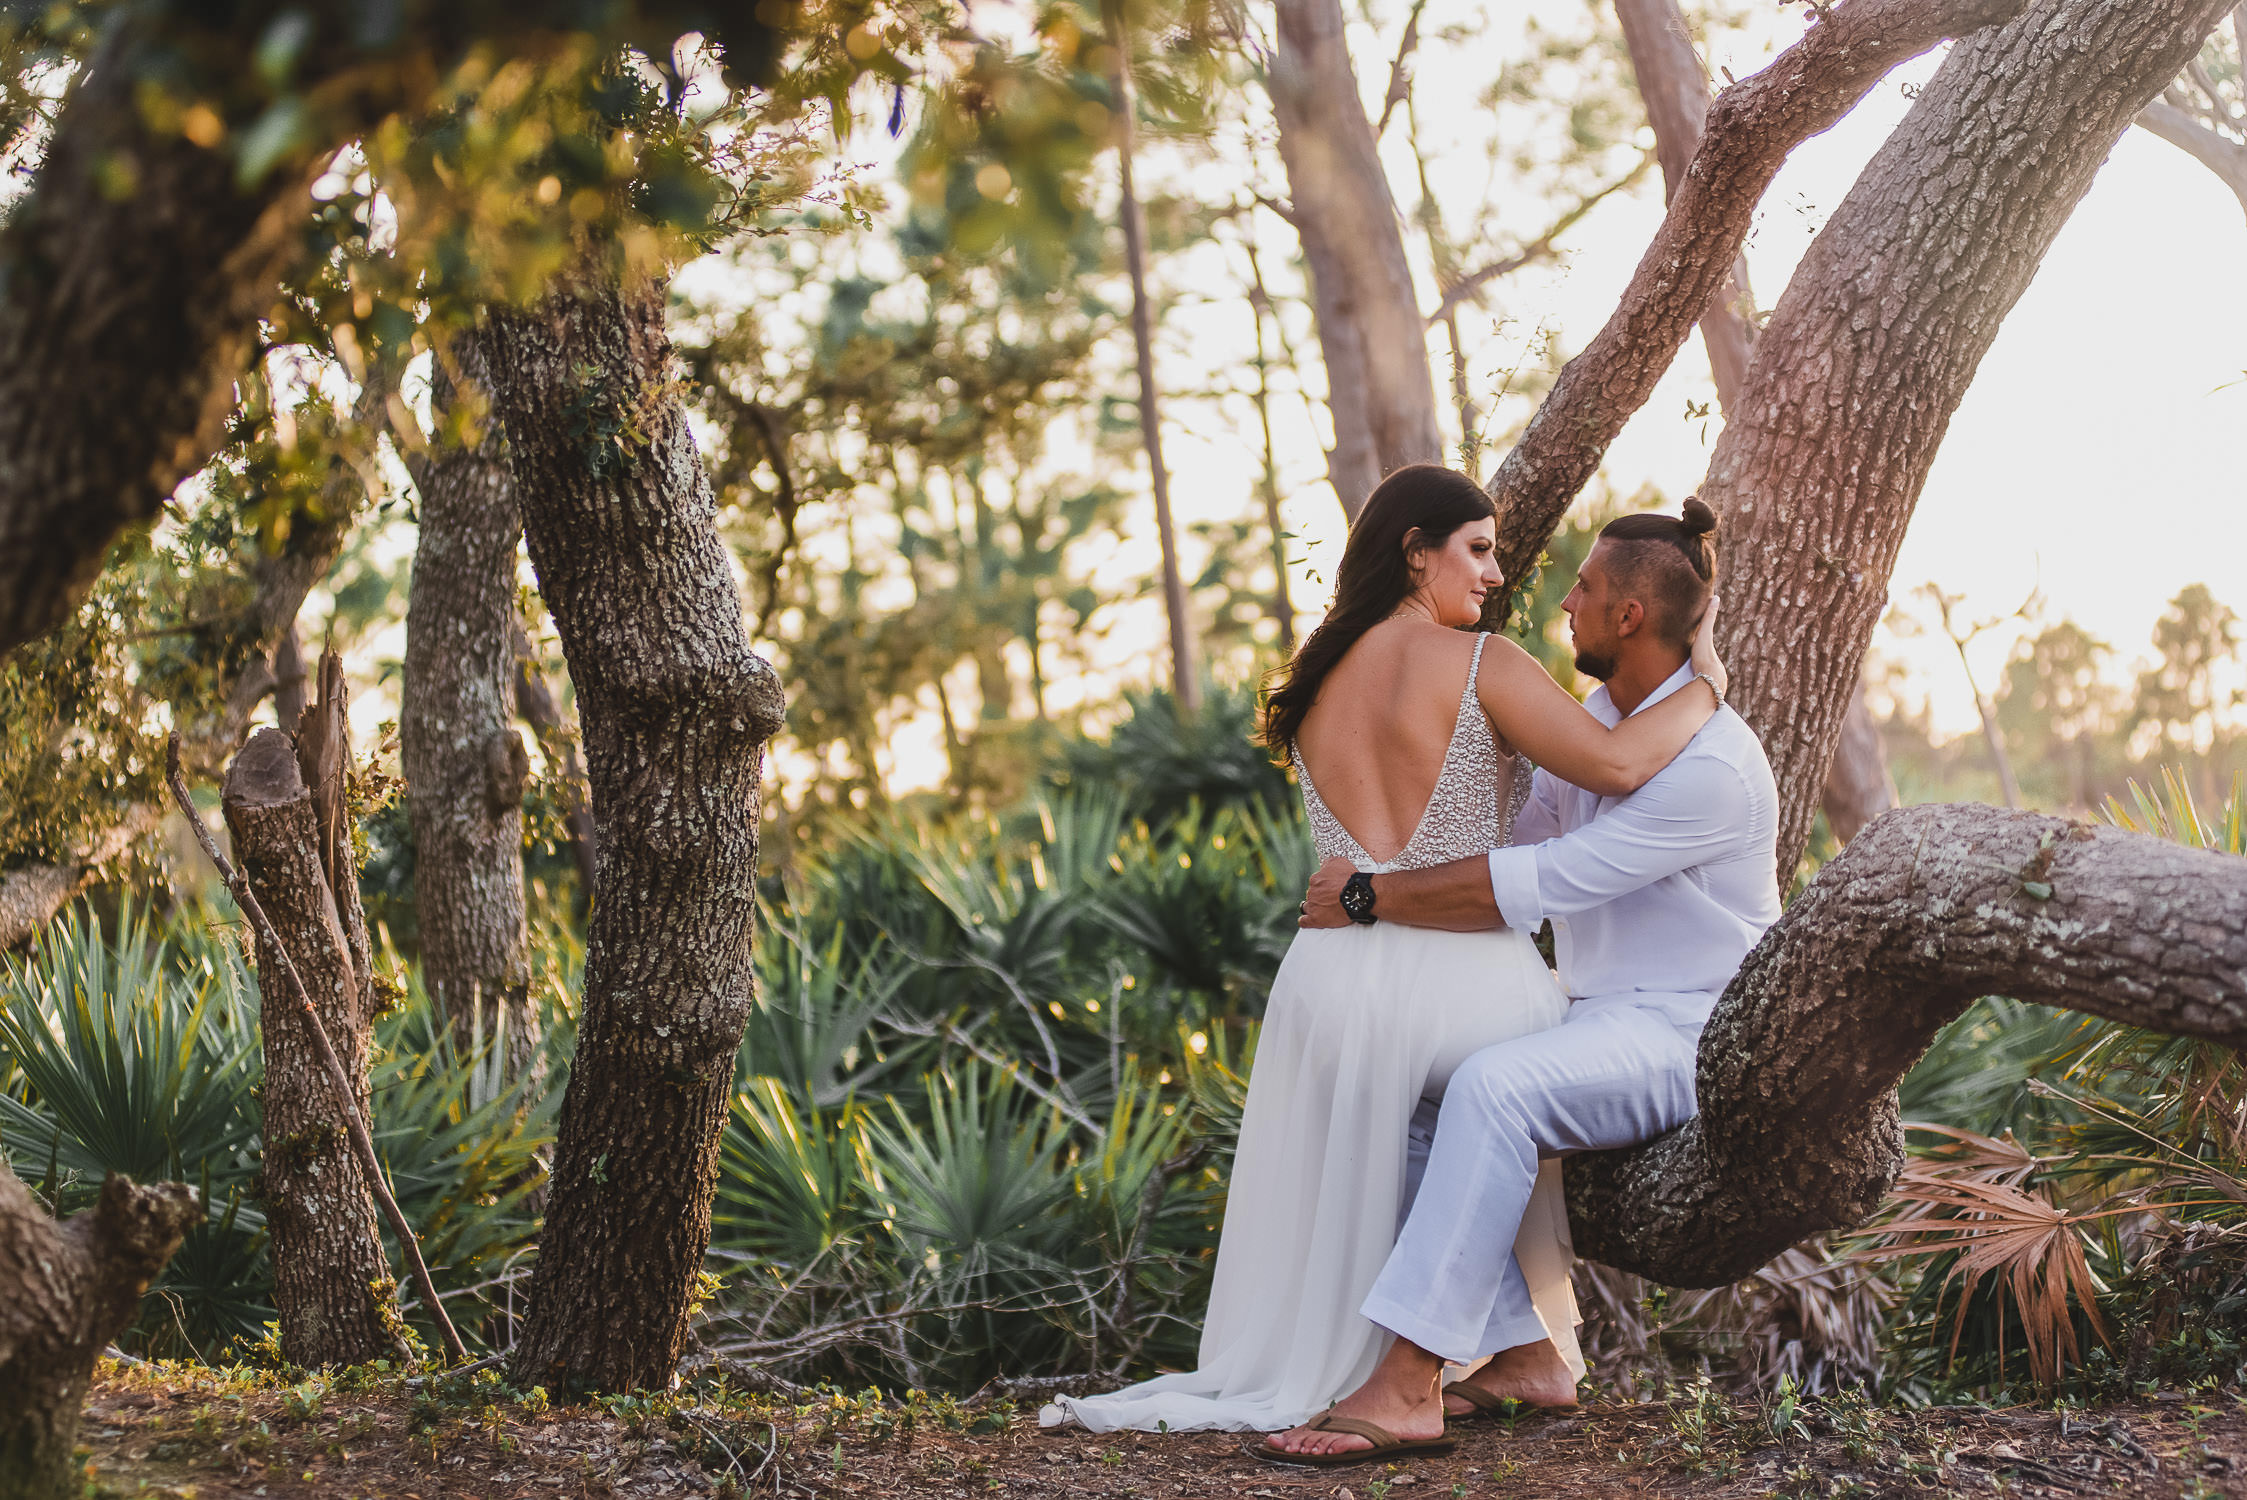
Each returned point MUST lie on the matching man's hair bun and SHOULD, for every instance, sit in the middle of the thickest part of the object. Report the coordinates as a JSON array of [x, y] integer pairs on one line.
[[1699, 520]]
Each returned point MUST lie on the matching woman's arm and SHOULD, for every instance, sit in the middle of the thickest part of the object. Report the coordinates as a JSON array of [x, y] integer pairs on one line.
[[1560, 734]]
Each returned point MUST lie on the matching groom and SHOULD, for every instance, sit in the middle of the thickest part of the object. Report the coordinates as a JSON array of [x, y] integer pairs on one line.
[[1655, 898]]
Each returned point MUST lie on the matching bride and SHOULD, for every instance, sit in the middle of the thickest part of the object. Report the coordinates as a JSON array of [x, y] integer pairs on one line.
[[1411, 736]]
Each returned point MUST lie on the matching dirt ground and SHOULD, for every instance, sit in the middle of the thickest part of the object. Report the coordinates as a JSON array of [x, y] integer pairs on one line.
[[213, 1435]]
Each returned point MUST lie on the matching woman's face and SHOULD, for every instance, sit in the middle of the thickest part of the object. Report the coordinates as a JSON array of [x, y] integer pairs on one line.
[[1452, 580]]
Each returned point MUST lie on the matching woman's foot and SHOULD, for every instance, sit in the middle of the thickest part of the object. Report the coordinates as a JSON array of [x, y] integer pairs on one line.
[[1401, 1396], [1533, 1374]]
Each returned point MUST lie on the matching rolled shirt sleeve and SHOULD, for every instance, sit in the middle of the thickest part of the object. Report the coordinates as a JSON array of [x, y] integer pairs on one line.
[[1693, 812]]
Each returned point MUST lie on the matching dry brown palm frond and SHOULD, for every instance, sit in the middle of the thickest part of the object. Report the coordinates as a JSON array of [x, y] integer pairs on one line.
[[2032, 1248], [1975, 1157]]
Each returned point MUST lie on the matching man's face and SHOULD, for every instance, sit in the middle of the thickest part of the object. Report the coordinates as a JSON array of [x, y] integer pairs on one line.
[[1592, 622]]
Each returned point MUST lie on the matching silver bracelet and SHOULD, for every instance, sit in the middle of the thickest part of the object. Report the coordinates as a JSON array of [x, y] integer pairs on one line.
[[1711, 681]]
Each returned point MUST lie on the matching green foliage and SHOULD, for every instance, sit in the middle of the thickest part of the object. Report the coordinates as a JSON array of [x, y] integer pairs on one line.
[[135, 1050]]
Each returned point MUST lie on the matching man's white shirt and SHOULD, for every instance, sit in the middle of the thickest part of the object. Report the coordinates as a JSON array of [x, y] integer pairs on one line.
[[1657, 896]]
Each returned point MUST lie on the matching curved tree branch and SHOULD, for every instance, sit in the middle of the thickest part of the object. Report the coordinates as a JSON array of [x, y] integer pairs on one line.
[[1929, 908], [2219, 153], [1751, 129]]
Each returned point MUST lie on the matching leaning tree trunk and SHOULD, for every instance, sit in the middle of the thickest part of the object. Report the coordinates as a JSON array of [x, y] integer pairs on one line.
[[675, 710], [1879, 334], [465, 762], [331, 1284], [66, 1290], [1675, 87], [1928, 909], [1374, 341]]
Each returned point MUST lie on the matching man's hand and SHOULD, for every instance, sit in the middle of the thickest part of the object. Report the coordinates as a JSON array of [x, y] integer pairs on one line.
[[1322, 905]]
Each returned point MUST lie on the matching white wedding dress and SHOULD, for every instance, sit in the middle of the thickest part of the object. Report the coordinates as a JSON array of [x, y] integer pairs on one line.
[[1363, 1023]]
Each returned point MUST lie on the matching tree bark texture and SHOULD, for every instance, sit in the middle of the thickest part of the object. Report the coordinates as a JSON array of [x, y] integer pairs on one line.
[[1374, 341], [465, 762], [1927, 909], [1675, 87], [66, 1290], [1878, 336], [331, 1283], [535, 701], [676, 710], [1749, 132], [134, 274]]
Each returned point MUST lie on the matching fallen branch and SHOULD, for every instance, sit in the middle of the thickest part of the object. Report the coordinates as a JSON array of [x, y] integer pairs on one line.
[[355, 1125]]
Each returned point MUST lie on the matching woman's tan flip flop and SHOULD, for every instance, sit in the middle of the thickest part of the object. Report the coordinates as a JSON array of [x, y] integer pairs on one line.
[[1386, 1444]]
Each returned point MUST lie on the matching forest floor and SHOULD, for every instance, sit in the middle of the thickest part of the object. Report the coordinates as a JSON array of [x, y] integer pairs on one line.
[[201, 1434]]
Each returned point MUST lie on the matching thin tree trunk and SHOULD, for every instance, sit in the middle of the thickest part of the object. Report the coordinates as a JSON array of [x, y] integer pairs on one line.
[[1878, 337], [1283, 603], [288, 677], [465, 762], [1380, 393], [1928, 909], [1858, 787], [1675, 86], [676, 711], [1185, 653], [331, 1283], [66, 1290]]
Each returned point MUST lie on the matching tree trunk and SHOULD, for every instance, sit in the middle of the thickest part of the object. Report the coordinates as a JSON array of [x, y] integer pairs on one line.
[[124, 318], [535, 701], [1675, 86], [1878, 336], [125, 315], [465, 762], [1380, 394], [1746, 139], [1929, 908], [331, 1283], [676, 710], [66, 1290], [1185, 654]]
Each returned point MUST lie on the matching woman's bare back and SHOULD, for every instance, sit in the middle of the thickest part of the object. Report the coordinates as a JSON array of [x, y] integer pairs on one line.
[[1374, 742]]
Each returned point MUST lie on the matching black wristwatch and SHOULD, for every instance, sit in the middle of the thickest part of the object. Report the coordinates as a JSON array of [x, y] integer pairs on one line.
[[1357, 899]]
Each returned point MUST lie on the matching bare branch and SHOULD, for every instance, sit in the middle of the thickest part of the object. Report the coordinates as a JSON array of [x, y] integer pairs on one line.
[[1536, 250], [2221, 155], [1400, 81]]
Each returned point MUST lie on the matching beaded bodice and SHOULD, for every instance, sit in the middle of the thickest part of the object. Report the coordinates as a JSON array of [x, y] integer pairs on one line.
[[1471, 811]]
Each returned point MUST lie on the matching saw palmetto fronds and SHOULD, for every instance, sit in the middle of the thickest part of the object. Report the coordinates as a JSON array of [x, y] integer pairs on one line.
[[1978, 1205]]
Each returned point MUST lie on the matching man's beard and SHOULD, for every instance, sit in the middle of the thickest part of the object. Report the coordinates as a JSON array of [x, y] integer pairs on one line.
[[1594, 665]]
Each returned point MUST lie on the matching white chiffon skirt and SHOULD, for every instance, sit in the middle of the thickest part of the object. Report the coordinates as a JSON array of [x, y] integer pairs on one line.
[[1363, 1023]]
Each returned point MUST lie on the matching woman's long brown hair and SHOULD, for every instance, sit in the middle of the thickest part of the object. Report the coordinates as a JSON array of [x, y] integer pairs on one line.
[[1374, 578]]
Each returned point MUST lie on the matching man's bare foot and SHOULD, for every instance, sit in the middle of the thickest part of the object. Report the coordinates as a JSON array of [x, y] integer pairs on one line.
[[1400, 1396], [1533, 1374]]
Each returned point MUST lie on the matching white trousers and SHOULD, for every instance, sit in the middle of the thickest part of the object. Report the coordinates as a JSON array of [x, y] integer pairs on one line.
[[1609, 1075]]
